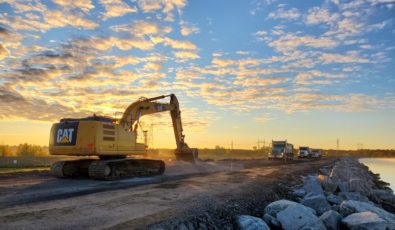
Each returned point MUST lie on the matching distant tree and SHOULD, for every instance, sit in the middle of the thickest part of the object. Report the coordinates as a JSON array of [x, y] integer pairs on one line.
[[220, 149], [25, 150], [5, 151]]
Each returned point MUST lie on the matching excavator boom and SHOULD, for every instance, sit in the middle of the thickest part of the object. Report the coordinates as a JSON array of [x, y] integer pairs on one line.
[[147, 106]]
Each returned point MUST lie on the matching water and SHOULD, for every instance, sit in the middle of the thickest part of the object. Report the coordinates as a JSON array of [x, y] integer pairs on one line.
[[384, 166]]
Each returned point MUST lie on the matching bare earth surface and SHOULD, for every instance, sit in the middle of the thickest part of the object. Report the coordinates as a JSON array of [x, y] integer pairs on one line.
[[206, 195]]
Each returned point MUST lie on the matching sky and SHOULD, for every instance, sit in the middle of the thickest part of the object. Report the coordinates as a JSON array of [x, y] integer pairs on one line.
[[310, 72]]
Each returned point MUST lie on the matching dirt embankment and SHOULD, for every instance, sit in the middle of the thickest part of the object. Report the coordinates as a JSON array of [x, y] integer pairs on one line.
[[209, 200]]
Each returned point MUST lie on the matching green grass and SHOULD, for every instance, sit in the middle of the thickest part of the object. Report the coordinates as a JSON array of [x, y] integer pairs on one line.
[[27, 169]]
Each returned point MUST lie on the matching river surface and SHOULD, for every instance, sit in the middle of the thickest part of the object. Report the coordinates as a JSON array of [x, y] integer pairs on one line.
[[384, 166]]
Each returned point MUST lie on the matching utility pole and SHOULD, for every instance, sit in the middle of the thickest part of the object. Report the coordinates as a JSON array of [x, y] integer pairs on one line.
[[359, 146], [260, 142], [264, 144]]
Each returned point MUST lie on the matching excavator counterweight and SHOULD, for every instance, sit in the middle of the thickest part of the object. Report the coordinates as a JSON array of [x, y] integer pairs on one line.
[[113, 141]]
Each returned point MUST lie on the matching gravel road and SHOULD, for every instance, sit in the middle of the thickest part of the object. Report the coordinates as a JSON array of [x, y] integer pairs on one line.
[[206, 195]]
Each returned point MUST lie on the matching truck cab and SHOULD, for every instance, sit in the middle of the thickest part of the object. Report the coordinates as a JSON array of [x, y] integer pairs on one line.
[[281, 150], [304, 152]]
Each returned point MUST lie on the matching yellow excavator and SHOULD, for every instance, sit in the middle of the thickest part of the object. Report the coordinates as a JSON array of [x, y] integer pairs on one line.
[[113, 140]]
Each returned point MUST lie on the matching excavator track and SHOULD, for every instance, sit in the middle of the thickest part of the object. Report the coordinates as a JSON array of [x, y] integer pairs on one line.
[[77, 168], [125, 168]]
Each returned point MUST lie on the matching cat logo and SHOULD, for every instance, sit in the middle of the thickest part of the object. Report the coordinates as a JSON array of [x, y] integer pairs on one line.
[[65, 136]]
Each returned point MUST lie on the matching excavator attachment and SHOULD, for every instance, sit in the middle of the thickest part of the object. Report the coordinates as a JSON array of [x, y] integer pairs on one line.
[[186, 154]]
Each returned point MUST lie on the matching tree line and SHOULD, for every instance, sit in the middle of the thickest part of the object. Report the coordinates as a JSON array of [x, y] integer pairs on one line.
[[23, 150]]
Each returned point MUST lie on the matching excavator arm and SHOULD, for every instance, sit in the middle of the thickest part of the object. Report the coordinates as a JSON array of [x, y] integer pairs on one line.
[[147, 106]]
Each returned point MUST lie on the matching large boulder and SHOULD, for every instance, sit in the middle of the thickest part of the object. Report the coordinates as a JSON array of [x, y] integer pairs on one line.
[[327, 183], [271, 221], [325, 171], [245, 222], [312, 186], [343, 186], [351, 206], [279, 205], [333, 199], [359, 185], [299, 193], [349, 172], [353, 196], [340, 172], [331, 219], [298, 216], [364, 221], [317, 202], [385, 197]]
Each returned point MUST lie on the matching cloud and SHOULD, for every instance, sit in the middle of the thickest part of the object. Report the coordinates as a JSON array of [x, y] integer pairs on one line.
[[317, 15], [100, 43], [186, 55], [346, 28], [141, 28], [281, 13], [223, 62], [167, 6], [116, 8], [256, 81], [4, 33], [263, 118], [143, 56], [316, 77], [50, 18], [3, 52], [84, 5], [349, 57], [188, 28], [21, 7], [177, 44], [292, 41], [60, 19], [9, 96], [243, 52], [14, 105]]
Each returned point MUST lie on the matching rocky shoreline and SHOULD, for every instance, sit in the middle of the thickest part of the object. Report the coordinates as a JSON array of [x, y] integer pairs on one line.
[[345, 196]]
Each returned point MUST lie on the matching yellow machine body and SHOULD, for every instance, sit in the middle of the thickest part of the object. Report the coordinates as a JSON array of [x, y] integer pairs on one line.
[[93, 138]]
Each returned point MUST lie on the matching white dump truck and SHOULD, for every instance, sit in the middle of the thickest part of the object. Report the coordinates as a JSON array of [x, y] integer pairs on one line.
[[304, 152], [281, 150], [316, 153]]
